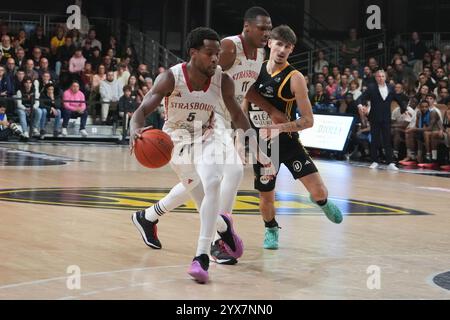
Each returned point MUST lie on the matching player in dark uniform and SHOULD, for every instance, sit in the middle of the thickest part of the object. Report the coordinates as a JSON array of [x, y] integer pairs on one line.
[[285, 89]]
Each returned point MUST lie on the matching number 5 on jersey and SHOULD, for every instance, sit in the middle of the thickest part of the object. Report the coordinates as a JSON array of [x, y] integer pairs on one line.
[[191, 117]]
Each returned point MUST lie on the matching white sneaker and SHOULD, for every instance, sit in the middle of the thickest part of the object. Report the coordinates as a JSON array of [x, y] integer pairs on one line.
[[26, 135], [374, 165], [392, 167], [36, 132], [83, 133], [64, 132]]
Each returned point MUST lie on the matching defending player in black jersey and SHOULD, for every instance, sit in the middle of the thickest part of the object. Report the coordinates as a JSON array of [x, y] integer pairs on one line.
[[285, 88]]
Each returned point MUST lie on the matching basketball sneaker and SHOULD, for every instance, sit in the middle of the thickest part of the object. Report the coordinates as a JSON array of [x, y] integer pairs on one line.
[[199, 268], [220, 255], [331, 211], [271, 238], [148, 229], [232, 242]]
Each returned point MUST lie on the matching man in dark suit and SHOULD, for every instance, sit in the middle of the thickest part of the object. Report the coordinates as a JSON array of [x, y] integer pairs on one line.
[[380, 96]]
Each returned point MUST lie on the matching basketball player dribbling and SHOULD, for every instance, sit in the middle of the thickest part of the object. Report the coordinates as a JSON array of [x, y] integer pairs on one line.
[[192, 92], [241, 58], [285, 88]]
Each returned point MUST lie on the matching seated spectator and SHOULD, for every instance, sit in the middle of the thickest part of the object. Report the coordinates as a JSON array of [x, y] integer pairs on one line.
[[74, 106], [87, 76], [18, 78], [331, 89], [427, 124], [367, 78], [40, 41], [127, 105], [45, 80], [422, 92], [373, 65], [7, 128], [76, 63], [92, 39], [443, 96], [321, 102], [63, 55], [51, 102], [320, 62], [44, 68], [417, 49], [114, 60], [354, 89], [132, 57], [6, 50], [95, 59], [325, 71], [30, 72], [114, 46], [28, 105], [109, 64], [6, 84], [36, 56], [122, 75], [132, 82], [336, 73], [94, 98], [22, 40], [401, 119], [141, 74], [355, 65], [58, 40], [351, 48], [110, 93], [20, 58]]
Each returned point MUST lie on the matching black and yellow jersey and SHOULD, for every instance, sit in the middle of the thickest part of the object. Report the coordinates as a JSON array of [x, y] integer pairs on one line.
[[276, 88]]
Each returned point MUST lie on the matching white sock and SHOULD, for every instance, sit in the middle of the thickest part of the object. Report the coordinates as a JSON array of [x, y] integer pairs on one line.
[[203, 246], [155, 212], [434, 154]]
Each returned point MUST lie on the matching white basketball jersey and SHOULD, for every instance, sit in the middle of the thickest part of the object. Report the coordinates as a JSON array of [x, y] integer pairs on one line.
[[186, 108], [244, 73]]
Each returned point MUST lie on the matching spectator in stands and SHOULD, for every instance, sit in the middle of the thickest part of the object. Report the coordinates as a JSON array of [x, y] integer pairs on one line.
[[22, 40], [76, 63], [403, 74], [401, 118], [95, 59], [58, 40], [11, 69], [109, 64], [373, 65], [63, 55], [141, 74], [380, 96], [75, 35], [44, 80], [351, 47], [133, 58], [132, 82], [20, 58], [431, 82], [149, 83], [127, 105], [443, 95], [50, 100], [357, 77], [309, 86], [122, 75], [40, 40], [92, 39], [20, 75], [7, 128], [29, 70], [336, 73], [110, 93], [27, 104], [331, 89], [422, 92], [355, 65], [440, 74], [354, 89], [44, 67], [320, 101], [417, 49], [325, 71], [7, 51], [6, 84], [114, 46], [114, 60], [161, 69], [320, 62], [367, 78], [36, 56], [320, 78], [87, 76], [74, 106]]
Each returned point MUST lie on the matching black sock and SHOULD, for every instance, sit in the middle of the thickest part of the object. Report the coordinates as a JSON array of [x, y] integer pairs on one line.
[[271, 224], [322, 202]]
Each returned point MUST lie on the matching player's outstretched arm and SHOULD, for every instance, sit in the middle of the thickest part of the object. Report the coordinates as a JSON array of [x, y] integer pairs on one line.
[[300, 91], [164, 85]]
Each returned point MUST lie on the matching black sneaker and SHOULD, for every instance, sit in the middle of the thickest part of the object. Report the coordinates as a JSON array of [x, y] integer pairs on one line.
[[219, 254], [147, 229]]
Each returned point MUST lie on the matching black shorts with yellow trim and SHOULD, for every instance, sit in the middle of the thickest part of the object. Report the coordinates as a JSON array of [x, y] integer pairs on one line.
[[299, 163]]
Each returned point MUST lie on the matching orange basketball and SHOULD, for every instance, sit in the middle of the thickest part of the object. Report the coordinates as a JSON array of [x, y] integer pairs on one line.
[[153, 149]]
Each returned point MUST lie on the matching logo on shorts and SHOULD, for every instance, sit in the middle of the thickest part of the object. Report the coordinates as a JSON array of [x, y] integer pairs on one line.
[[307, 162], [297, 165], [264, 180]]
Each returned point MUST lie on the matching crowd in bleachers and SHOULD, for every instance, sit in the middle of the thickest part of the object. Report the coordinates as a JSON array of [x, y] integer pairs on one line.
[[420, 76], [67, 76]]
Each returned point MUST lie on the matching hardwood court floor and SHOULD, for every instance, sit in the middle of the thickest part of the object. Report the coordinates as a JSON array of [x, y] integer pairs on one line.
[[316, 259]]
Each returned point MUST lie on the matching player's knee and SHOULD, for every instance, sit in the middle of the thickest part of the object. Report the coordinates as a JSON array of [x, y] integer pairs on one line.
[[190, 183], [212, 183]]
